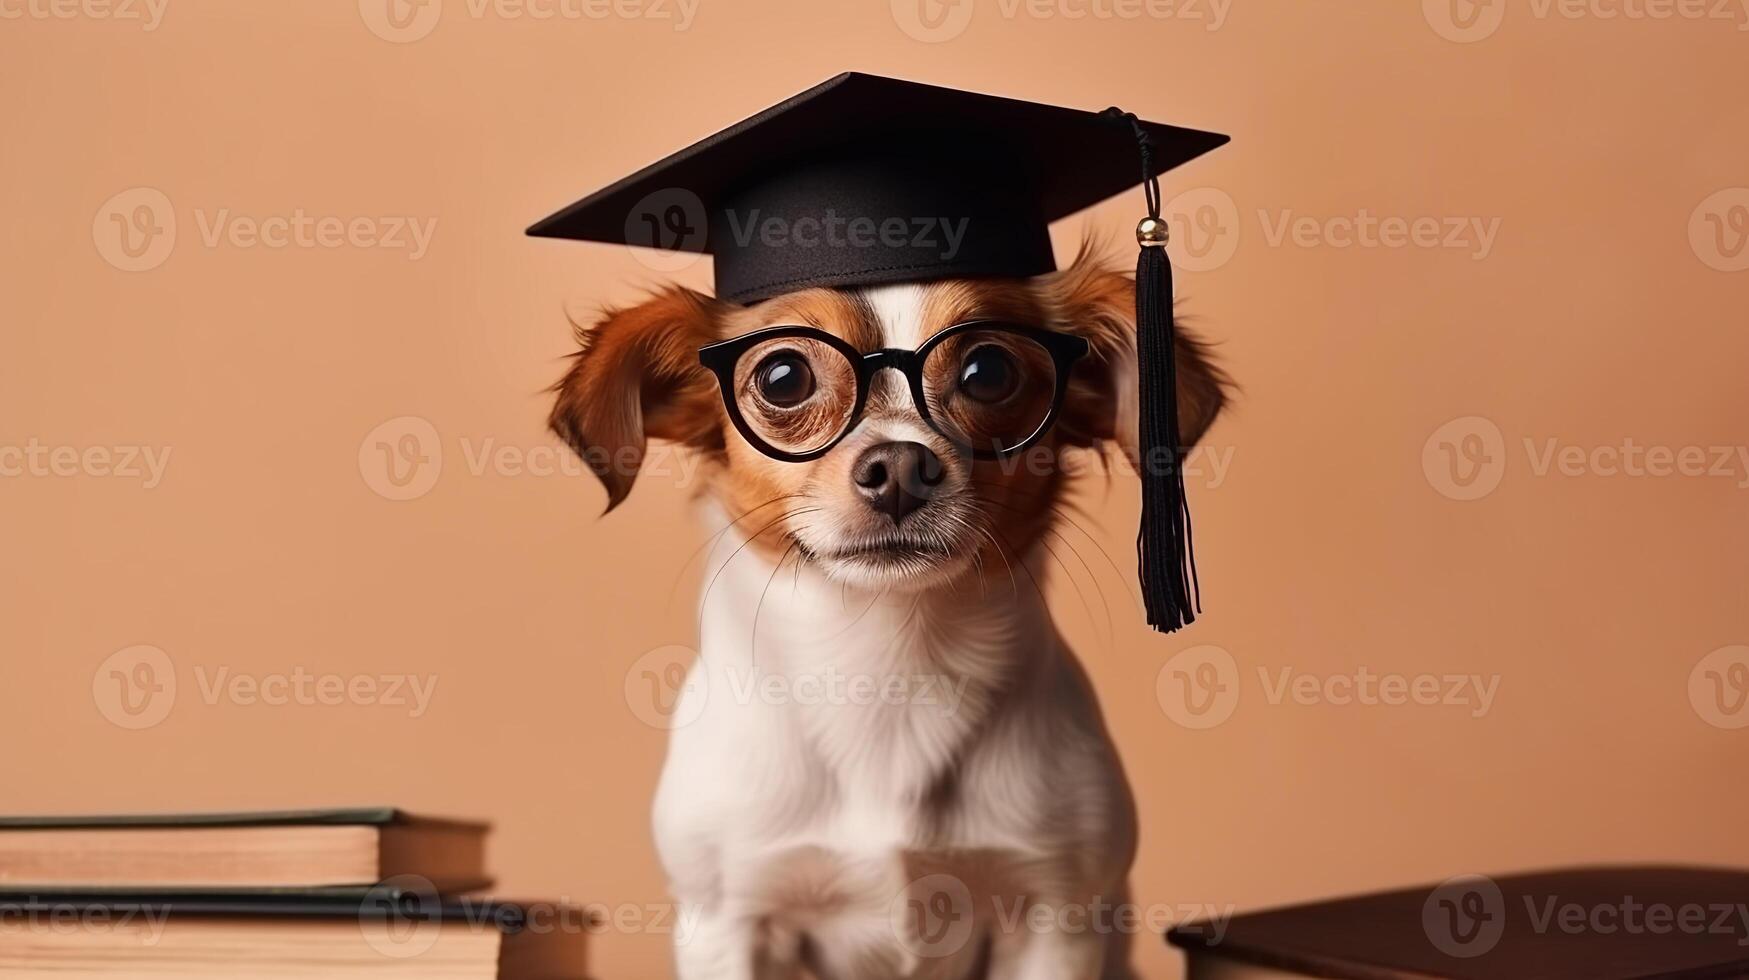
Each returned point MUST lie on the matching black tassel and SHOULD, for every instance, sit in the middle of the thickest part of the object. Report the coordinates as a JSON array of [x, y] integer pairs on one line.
[[1164, 548]]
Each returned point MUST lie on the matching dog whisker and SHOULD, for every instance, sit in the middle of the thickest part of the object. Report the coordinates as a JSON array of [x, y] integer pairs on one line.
[[1098, 586], [1093, 539], [1058, 515], [1086, 606], [753, 640], [1013, 584], [704, 600], [1020, 558], [710, 542], [1050, 530]]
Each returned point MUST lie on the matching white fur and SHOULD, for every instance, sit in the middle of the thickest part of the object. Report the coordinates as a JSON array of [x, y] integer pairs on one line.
[[799, 814], [899, 310]]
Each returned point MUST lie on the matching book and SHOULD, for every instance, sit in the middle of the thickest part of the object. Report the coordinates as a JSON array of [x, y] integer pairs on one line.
[[1611, 923], [295, 849], [386, 934]]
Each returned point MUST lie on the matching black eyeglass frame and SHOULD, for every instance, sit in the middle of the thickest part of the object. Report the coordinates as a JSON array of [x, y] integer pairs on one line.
[[721, 357]]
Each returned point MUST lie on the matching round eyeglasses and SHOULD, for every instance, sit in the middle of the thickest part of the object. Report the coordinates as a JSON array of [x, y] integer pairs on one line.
[[991, 388]]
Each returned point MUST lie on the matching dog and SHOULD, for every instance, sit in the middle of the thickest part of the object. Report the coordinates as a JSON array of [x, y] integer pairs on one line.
[[888, 763]]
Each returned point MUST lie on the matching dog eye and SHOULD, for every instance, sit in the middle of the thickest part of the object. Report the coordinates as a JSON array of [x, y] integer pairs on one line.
[[989, 374], [784, 379]]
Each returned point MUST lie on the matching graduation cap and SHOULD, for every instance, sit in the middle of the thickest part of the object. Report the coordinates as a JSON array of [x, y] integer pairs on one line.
[[915, 183]]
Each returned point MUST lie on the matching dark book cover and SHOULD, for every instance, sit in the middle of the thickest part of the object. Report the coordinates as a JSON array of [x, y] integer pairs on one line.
[[1621, 923], [339, 816], [378, 903]]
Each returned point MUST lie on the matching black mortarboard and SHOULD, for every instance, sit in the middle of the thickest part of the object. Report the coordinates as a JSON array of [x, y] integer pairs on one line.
[[863, 180]]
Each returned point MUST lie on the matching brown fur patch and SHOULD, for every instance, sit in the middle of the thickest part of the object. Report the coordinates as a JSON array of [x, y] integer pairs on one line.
[[839, 313], [1098, 302], [1009, 300], [637, 377]]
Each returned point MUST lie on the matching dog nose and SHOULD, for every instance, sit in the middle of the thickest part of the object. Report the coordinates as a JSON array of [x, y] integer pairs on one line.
[[896, 478]]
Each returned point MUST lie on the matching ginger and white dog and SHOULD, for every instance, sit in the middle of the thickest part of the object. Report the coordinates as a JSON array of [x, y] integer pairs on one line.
[[892, 765]]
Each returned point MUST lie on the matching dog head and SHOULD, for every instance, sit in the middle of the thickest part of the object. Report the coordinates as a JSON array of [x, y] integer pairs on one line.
[[892, 503]]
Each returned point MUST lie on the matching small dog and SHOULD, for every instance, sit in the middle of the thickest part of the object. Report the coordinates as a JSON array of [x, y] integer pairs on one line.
[[890, 764]]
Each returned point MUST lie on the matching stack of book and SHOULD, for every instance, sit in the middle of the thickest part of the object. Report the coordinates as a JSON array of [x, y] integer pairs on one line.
[[322, 893]]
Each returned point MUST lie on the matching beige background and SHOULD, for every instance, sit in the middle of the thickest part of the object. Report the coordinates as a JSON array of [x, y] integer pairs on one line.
[[1603, 308]]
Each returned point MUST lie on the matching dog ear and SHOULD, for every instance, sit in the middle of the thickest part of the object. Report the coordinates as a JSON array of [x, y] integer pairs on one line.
[[1101, 405], [637, 377]]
